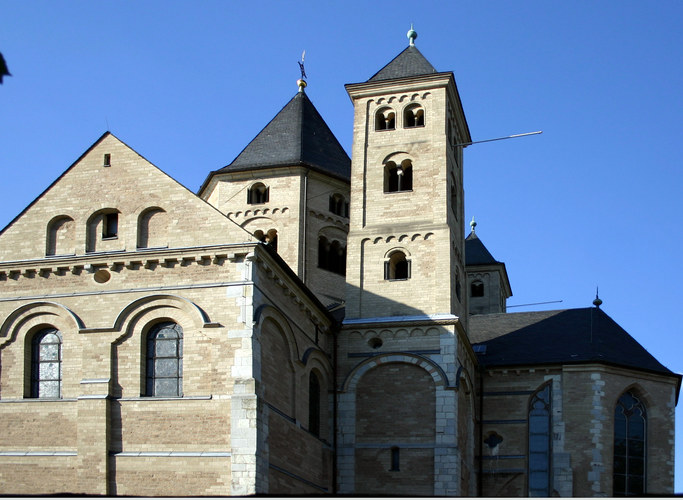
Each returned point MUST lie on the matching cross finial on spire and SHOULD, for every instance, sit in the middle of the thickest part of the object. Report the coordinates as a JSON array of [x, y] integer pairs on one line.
[[302, 82], [412, 35]]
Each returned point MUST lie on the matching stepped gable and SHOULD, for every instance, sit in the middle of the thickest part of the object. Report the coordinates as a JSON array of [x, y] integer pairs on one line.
[[297, 135], [569, 336], [408, 63]]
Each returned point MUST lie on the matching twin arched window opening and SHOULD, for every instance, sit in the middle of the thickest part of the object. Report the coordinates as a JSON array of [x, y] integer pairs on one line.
[[164, 374], [338, 205], [268, 237], [258, 193], [397, 267], [413, 116], [332, 256], [399, 177]]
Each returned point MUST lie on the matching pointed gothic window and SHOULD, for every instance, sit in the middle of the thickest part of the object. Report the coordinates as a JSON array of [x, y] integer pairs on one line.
[[165, 360], [258, 194], [539, 443], [630, 426], [46, 364]]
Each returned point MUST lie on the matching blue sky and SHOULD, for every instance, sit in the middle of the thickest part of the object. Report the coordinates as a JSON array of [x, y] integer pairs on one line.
[[593, 201]]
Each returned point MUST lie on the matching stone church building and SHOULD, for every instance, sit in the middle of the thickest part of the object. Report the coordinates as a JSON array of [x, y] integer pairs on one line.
[[287, 330]]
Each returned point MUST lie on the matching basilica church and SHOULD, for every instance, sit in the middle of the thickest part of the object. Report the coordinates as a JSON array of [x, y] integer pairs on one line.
[[291, 329]]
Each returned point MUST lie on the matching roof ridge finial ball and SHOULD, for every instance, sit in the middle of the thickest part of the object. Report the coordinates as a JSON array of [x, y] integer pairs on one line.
[[302, 84], [412, 35], [473, 224]]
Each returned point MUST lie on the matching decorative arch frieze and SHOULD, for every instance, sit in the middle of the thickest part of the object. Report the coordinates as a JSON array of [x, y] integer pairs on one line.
[[400, 237]]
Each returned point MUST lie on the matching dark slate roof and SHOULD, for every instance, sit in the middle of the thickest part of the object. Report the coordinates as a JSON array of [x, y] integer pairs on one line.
[[408, 63], [297, 135], [569, 336], [476, 253]]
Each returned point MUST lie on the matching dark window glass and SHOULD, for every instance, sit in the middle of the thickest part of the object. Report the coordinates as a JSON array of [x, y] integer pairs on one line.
[[629, 465], [539, 443], [165, 360], [314, 404], [107, 160], [46, 364]]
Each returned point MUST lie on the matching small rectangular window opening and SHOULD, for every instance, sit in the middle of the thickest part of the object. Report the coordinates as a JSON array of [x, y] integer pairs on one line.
[[395, 459], [107, 160], [110, 225]]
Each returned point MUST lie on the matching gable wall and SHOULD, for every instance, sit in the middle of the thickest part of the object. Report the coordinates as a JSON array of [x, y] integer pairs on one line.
[[130, 185]]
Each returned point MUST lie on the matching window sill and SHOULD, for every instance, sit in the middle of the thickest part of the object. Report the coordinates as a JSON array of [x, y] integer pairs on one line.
[[402, 191]]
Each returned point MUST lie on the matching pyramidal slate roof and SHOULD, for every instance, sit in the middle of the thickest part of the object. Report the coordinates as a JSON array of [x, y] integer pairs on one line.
[[408, 63], [297, 135], [476, 253], [569, 336]]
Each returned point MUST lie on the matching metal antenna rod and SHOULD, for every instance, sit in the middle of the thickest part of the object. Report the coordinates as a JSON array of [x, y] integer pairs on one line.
[[499, 138]]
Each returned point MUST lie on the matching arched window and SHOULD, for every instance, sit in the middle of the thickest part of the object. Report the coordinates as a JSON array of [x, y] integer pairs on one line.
[[101, 226], [339, 205], [398, 177], [61, 236], [630, 426], [152, 228], [165, 360], [539, 443], [257, 194], [46, 364], [331, 256], [314, 404], [397, 267], [477, 289], [414, 116], [385, 119]]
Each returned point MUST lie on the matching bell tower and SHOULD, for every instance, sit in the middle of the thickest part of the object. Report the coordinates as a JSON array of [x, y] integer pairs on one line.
[[405, 245]]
